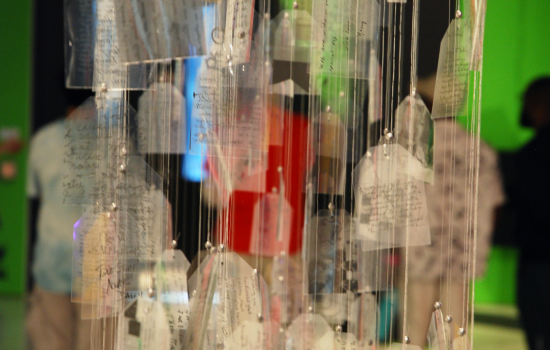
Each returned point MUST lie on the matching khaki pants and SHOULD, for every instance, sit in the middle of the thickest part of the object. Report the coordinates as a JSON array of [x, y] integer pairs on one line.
[[54, 323]]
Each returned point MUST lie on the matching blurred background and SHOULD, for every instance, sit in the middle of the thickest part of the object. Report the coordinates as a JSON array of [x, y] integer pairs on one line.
[[516, 51]]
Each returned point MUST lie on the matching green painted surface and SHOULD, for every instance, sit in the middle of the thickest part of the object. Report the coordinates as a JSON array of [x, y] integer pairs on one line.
[[498, 285], [516, 51], [15, 70]]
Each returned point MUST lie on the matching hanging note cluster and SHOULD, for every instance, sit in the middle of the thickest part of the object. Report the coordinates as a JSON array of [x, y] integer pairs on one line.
[[317, 160]]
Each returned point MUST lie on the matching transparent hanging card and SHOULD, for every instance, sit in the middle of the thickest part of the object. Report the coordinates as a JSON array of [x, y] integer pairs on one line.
[[328, 247], [106, 262], [229, 103], [80, 154], [141, 192], [271, 222], [94, 142], [243, 296], [415, 132], [143, 326], [330, 161], [158, 29], [202, 287], [390, 199], [451, 84], [439, 332], [330, 306], [291, 32], [375, 89], [172, 292], [306, 330], [349, 30], [249, 336], [129, 327], [161, 117], [238, 33], [79, 42], [109, 72], [461, 343], [362, 320]]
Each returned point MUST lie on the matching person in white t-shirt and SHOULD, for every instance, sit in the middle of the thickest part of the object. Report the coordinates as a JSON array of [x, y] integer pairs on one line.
[[53, 321]]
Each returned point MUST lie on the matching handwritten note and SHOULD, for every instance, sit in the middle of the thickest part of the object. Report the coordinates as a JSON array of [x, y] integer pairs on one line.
[[162, 120], [151, 30], [143, 326], [93, 150], [347, 28], [171, 281], [238, 31], [109, 71], [109, 256], [249, 336], [451, 84], [241, 297], [390, 201]]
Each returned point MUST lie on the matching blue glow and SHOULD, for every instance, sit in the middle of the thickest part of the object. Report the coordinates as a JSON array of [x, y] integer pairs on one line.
[[193, 164]]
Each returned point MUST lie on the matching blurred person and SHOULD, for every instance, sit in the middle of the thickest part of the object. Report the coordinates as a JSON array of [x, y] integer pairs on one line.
[[441, 271], [530, 197], [53, 321]]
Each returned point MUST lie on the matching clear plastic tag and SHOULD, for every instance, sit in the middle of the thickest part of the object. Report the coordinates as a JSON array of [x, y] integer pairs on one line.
[[453, 72], [415, 132]]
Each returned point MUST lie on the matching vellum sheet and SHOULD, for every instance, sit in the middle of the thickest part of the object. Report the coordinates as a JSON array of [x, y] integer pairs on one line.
[[390, 199], [453, 70], [415, 132]]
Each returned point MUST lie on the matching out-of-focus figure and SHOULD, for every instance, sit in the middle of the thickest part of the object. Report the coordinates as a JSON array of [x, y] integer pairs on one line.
[[531, 199], [441, 272], [53, 322]]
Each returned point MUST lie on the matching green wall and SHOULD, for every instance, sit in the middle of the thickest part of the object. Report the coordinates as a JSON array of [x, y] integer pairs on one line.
[[15, 75], [516, 51]]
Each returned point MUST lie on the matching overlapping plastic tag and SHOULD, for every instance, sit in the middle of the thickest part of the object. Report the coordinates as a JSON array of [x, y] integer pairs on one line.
[[172, 292], [143, 326], [158, 29], [453, 71], [439, 332], [202, 289], [362, 321], [94, 144], [349, 31], [390, 199], [291, 51], [327, 242], [305, 331], [272, 218], [415, 132], [161, 115]]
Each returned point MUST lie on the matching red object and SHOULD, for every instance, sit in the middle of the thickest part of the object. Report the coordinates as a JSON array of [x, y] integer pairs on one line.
[[236, 219]]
